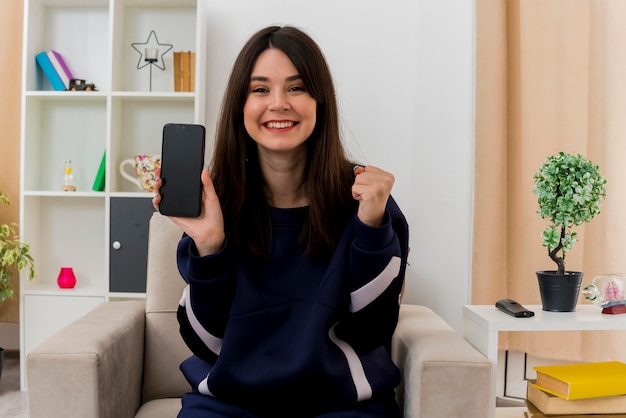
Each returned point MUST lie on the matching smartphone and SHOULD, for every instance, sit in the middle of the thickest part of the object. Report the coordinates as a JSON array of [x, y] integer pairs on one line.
[[182, 160]]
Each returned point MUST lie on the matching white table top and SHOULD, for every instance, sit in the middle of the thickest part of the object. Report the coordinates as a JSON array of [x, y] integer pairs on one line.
[[585, 317]]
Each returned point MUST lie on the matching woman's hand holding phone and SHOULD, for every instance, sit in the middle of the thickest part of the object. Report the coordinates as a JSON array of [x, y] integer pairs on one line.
[[206, 230]]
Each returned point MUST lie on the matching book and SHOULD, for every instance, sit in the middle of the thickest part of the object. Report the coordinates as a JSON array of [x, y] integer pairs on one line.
[[192, 71], [178, 71], [99, 182], [553, 405], [61, 67], [48, 69], [534, 412], [583, 380], [185, 70]]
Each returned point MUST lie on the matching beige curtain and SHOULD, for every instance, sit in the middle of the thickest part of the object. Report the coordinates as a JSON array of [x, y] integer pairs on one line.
[[11, 12], [551, 76]]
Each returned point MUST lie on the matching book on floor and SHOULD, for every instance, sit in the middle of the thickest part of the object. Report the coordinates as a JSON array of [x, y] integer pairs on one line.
[[553, 405], [534, 412], [583, 380]]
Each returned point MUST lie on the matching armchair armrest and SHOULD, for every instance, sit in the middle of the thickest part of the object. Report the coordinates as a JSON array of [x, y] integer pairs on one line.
[[92, 367], [443, 375]]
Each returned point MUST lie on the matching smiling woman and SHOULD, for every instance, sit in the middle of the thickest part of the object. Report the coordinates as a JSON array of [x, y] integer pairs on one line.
[[279, 113], [297, 258]]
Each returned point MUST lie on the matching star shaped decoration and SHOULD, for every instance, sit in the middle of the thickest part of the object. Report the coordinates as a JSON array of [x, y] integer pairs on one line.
[[151, 43]]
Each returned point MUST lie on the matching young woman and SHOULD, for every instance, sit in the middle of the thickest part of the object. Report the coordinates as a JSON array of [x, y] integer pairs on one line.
[[296, 263]]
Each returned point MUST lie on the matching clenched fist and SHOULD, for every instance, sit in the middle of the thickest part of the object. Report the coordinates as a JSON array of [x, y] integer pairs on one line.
[[372, 187]]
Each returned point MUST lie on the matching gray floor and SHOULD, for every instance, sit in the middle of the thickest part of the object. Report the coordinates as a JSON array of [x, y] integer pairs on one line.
[[12, 401]]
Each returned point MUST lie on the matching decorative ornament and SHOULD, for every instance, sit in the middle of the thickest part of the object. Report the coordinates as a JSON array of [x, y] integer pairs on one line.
[[68, 178], [607, 292], [149, 53], [66, 279]]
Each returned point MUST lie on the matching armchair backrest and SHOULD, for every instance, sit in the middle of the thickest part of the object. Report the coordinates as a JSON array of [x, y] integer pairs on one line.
[[164, 347]]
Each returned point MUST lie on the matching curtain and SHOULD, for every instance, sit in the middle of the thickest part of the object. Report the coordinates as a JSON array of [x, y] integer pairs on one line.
[[550, 77], [11, 13]]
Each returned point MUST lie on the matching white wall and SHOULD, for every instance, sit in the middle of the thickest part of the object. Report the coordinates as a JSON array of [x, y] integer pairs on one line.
[[404, 73]]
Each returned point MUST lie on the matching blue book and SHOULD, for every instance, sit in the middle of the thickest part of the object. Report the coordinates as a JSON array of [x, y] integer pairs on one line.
[[48, 69]]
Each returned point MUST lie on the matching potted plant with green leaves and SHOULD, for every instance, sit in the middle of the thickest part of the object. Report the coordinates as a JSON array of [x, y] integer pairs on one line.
[[14, 256], [569, 189]]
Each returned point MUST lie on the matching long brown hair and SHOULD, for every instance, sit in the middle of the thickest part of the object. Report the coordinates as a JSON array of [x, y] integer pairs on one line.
[[235, 169]]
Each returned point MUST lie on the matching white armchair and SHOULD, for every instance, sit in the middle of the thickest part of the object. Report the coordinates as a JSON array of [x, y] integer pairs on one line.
[[121, 360]]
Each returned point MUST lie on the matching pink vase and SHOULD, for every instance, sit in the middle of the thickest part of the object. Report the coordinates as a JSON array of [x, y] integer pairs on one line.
[[66, 279]]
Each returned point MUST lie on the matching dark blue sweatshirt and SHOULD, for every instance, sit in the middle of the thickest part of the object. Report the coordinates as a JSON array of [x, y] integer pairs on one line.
[[296, 335]]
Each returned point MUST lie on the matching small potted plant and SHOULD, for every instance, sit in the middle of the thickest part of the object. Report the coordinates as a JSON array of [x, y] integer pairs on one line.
[[569, 189], [14, 255]]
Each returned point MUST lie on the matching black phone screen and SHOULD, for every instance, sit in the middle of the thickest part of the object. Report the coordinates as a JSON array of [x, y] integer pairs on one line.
[[182, 159]]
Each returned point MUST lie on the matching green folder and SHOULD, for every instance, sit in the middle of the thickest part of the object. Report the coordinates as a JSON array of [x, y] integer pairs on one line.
[[98, 183]]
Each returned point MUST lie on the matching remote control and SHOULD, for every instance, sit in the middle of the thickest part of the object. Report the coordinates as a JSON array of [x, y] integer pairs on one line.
[[513, 308]]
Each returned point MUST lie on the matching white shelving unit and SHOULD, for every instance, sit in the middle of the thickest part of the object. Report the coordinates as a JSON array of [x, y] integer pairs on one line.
[[123, 117]]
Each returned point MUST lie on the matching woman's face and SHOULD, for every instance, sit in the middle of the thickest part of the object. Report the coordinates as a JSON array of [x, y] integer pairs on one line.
[[279, 113]]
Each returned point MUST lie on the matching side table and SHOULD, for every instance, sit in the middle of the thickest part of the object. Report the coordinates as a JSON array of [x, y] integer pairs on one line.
[[483, 323]]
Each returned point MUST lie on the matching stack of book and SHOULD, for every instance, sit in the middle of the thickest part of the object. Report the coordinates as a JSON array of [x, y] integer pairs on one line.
[[55, 69], [578, 390], [184, 71]]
